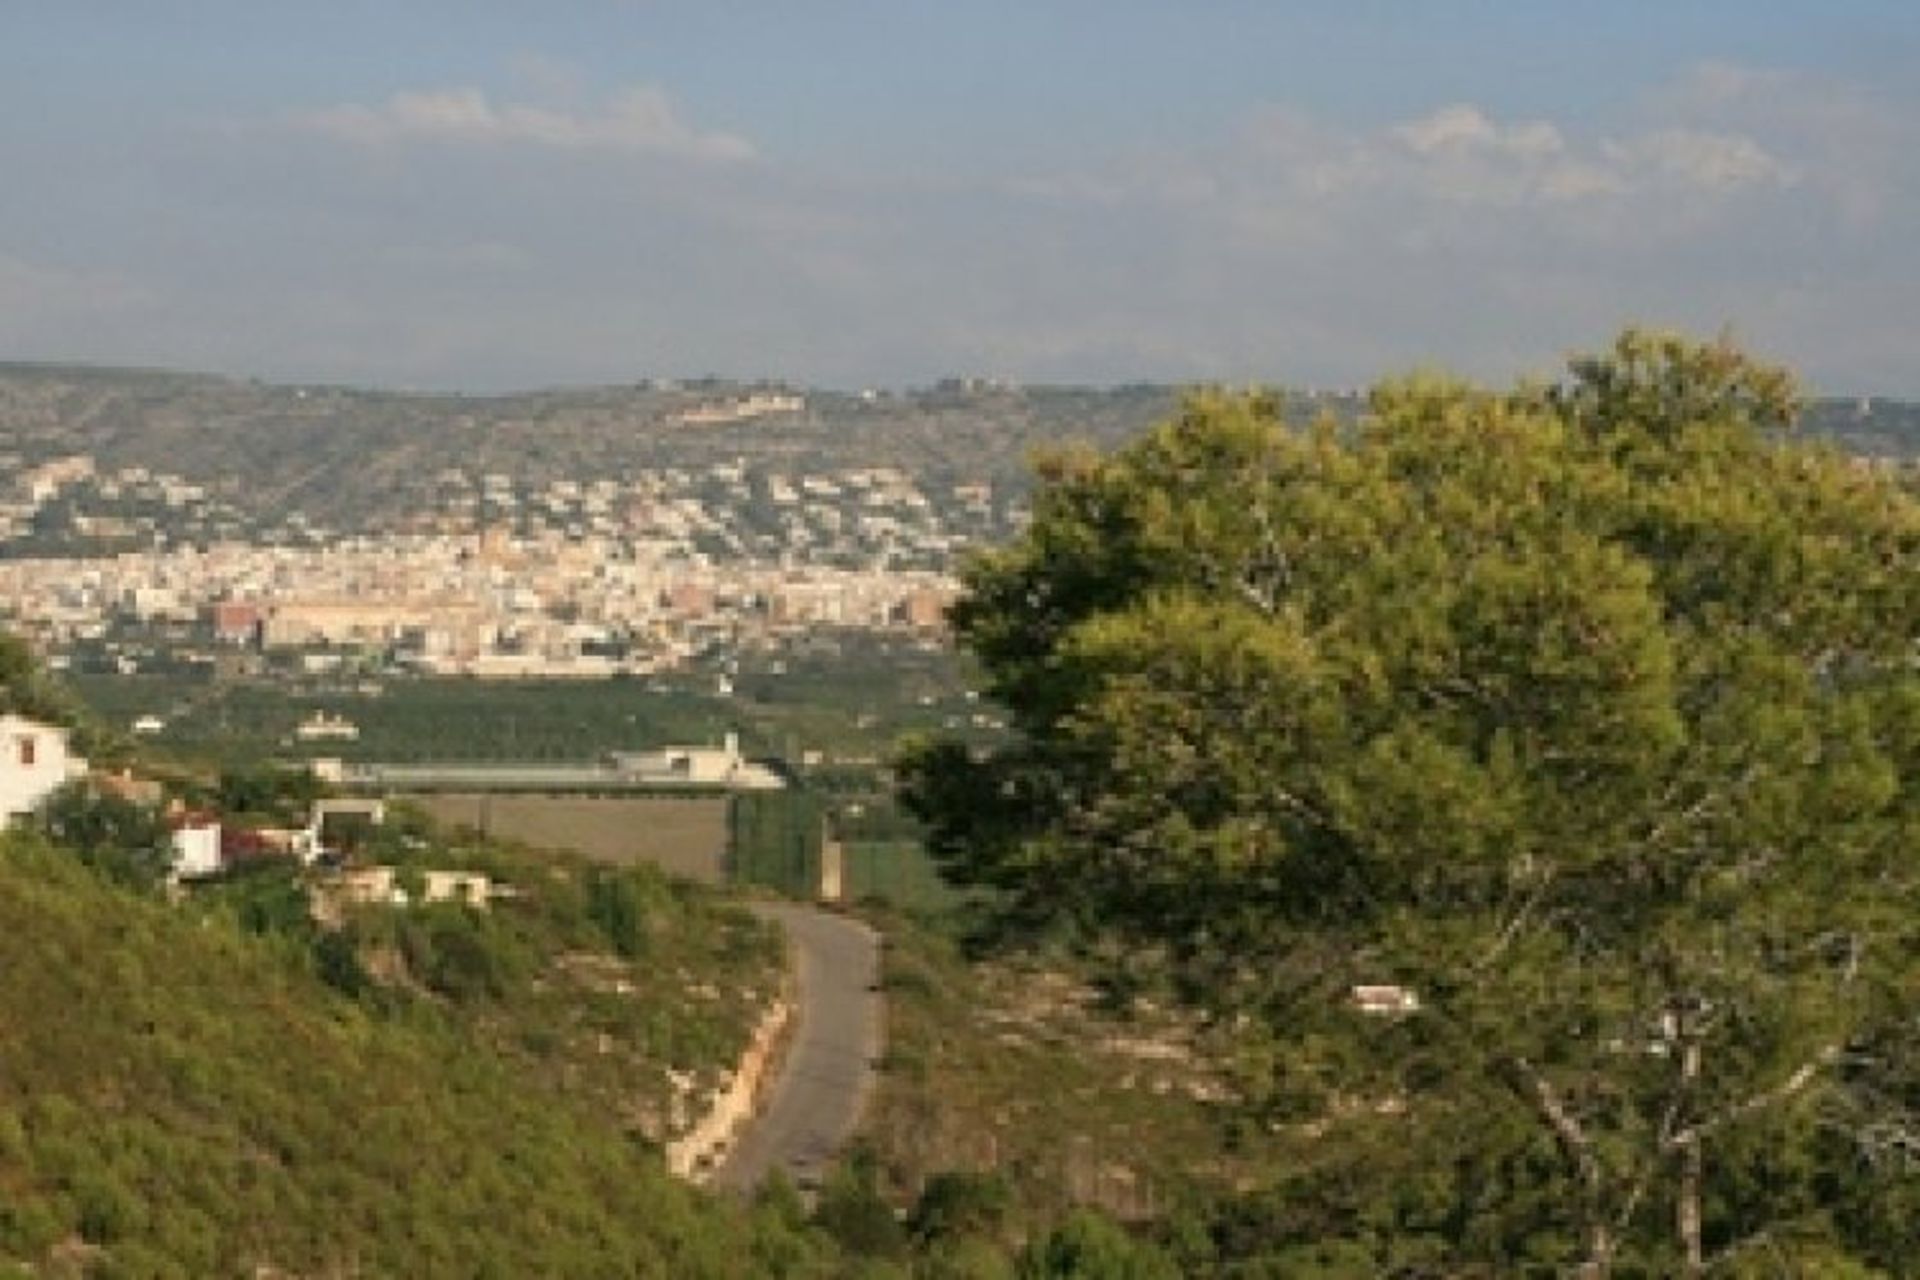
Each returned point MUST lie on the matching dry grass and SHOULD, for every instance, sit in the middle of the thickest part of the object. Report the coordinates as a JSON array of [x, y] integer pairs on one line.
[[1022, 1068]]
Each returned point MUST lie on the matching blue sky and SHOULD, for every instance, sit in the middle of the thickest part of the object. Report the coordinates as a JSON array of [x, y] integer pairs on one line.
[[486, 195]]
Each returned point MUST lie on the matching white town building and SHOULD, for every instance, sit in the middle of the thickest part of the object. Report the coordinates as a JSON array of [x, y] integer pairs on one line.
[[34, 762]]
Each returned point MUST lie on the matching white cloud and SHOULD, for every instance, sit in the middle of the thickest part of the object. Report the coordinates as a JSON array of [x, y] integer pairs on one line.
[[1300, 247], [1462, 154], [1464, 127], [639, 119], [1854, 146], [1304, 240], [1692, 157]]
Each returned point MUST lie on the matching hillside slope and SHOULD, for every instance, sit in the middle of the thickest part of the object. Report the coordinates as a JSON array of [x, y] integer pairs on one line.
[[360, 458], [357, 458], [180, 1098]]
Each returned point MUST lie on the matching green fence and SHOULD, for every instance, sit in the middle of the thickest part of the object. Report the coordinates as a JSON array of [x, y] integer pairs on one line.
[[775, 838], [774, 841]]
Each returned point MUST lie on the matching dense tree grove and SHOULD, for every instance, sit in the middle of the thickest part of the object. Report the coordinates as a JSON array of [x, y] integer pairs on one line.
[[1526, 774]]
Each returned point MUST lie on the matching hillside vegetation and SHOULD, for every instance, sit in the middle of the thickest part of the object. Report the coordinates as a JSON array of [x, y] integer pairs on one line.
[[363, 458], [1525, 775], [177, 1098], [357, 458]]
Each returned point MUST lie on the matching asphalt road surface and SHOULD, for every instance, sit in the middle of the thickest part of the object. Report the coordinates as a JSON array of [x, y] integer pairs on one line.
[[828, 1071]]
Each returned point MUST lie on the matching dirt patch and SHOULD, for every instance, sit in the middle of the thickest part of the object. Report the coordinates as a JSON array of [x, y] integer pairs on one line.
[[684, 835]]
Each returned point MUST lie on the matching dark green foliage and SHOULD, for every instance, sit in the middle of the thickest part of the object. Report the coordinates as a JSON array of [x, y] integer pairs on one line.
[[459, 953], [777, 1197], [26, 689], [17, 668], [968, 1259], [336, 961], [855, 1213], [774, 840], [267, 792], [267, 896], [1582, 716], [955, 1205], [619, 905], [124, 841], [1089, 1247], [241, 721]]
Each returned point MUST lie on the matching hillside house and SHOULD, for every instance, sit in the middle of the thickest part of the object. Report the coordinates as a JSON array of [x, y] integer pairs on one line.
[[380, 886], [196, 845], [35, 761], [345, 823]]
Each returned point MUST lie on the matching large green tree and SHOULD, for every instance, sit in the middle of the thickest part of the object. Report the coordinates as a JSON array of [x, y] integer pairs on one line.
[[1580, 719]]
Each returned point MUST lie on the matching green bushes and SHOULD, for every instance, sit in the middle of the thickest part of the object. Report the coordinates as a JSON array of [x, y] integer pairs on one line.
[[269, 793], [460, 953], [619, 906], [128, 843], [955, 1205], [1087, 1246], [854, 1212], [186, 1097], [266, 897]]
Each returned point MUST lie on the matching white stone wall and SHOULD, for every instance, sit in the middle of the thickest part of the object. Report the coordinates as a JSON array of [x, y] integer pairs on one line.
[[698, 1152]]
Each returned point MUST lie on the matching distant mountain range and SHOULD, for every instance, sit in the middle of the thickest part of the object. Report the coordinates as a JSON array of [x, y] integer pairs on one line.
[[358, 458]]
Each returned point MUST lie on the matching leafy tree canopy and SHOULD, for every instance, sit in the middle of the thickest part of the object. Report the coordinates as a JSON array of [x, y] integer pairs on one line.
[[1574, 719], [25, 688], [127, 842]]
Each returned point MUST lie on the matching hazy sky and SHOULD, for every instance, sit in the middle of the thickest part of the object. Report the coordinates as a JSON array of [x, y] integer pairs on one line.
[[487, 194]]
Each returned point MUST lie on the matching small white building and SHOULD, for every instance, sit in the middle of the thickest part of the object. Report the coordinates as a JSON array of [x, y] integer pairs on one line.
[[34, 762], [721, 766], [196, 847], [320, 727], [1385, 1000]]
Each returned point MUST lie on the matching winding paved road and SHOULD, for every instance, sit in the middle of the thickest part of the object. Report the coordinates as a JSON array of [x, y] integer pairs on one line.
[[828, 1070]]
